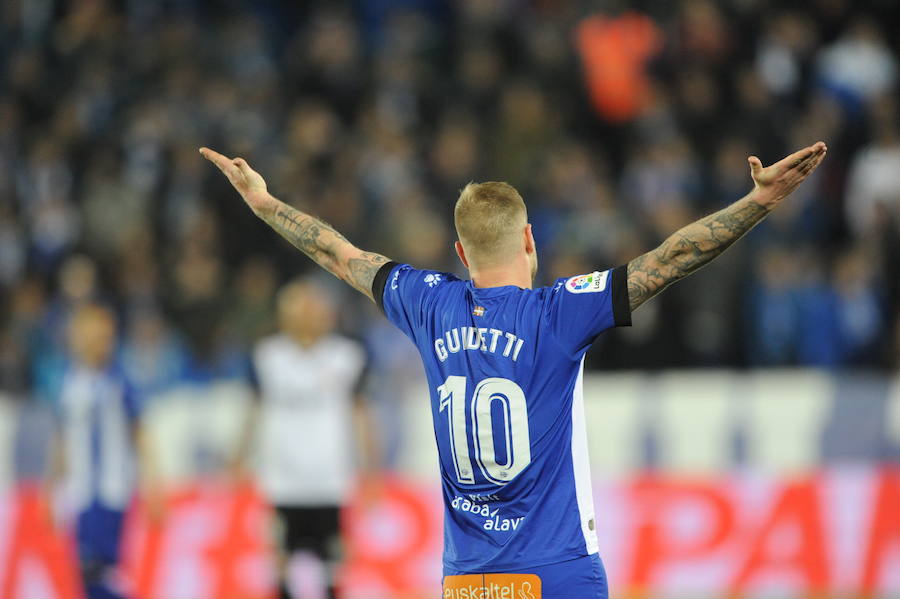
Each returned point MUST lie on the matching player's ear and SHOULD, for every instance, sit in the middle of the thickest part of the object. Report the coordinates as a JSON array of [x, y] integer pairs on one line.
[[529, 240], [461, 253]]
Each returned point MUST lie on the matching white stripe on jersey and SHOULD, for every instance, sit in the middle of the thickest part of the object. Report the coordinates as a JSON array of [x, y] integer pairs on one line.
[[93, 406], [581, 465]]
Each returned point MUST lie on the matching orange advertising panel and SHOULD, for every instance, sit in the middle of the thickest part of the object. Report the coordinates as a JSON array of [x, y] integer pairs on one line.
[[492, 586]]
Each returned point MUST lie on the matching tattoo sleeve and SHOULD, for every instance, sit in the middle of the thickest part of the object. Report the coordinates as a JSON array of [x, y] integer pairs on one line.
[[328, 248], [690, 248]]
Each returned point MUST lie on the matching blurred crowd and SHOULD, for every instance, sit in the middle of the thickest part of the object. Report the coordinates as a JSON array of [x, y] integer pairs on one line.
[[619, 121]]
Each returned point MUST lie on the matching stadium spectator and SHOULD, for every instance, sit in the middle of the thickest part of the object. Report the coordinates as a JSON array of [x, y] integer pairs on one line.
[[859, 66], [873, 186], [859, 306], [152, 356]]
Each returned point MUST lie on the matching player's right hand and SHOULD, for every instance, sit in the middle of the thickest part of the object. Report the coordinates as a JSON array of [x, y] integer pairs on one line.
[[245, 180], [779, 180]]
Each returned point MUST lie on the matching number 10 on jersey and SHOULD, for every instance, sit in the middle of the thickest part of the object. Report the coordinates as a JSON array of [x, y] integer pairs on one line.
[[514, 435]]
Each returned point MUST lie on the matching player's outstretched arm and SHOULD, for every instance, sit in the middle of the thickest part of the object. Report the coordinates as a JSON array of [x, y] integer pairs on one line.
[[315, 238], [696, 244]]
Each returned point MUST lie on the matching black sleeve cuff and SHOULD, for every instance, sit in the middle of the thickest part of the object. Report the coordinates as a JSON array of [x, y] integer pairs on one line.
[[621, 305], [379, 282]]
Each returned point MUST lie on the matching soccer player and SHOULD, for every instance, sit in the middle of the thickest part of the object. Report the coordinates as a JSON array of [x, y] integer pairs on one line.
[[504, 363], [309, 387], [102, 454]]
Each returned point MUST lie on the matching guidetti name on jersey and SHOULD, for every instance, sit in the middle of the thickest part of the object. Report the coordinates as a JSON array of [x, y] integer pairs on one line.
[[478, 338], [493, 520]]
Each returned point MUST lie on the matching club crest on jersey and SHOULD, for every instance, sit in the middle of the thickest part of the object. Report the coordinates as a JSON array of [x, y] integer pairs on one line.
[[432, 279], [589, 283], [478, 311]]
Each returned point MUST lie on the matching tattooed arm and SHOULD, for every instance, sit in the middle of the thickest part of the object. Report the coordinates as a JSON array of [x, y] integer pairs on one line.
[[328, 248], [315, 238], [698, 243]]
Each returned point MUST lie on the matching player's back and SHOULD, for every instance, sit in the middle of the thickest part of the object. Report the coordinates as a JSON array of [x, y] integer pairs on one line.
[[504, 366]]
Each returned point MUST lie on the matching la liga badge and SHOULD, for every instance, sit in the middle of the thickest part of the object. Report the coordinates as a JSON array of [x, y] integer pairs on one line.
[[589, 283]]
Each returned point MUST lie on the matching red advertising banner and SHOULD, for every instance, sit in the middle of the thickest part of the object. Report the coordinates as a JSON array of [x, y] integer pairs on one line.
[[37, 558], [211, 541], [394, 546], [831, 533]]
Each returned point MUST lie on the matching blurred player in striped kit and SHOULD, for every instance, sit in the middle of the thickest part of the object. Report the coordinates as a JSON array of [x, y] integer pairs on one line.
[[101, 454]]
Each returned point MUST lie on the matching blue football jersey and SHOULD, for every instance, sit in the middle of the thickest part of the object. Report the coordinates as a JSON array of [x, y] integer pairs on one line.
[[504, 365]]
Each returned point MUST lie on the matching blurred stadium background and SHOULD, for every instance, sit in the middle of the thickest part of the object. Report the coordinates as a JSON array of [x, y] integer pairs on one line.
[[745, 432]]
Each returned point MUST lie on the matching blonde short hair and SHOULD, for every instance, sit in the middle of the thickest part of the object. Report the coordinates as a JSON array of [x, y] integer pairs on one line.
[[490, 218]]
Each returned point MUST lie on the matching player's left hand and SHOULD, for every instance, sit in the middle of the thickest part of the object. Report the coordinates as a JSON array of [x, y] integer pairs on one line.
[[153, 499], [245, 180], [238, 471], [776, 182], [370, 490]]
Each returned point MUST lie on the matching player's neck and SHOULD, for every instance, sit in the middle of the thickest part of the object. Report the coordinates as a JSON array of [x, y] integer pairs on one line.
[[304, 340], [501, 277]]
